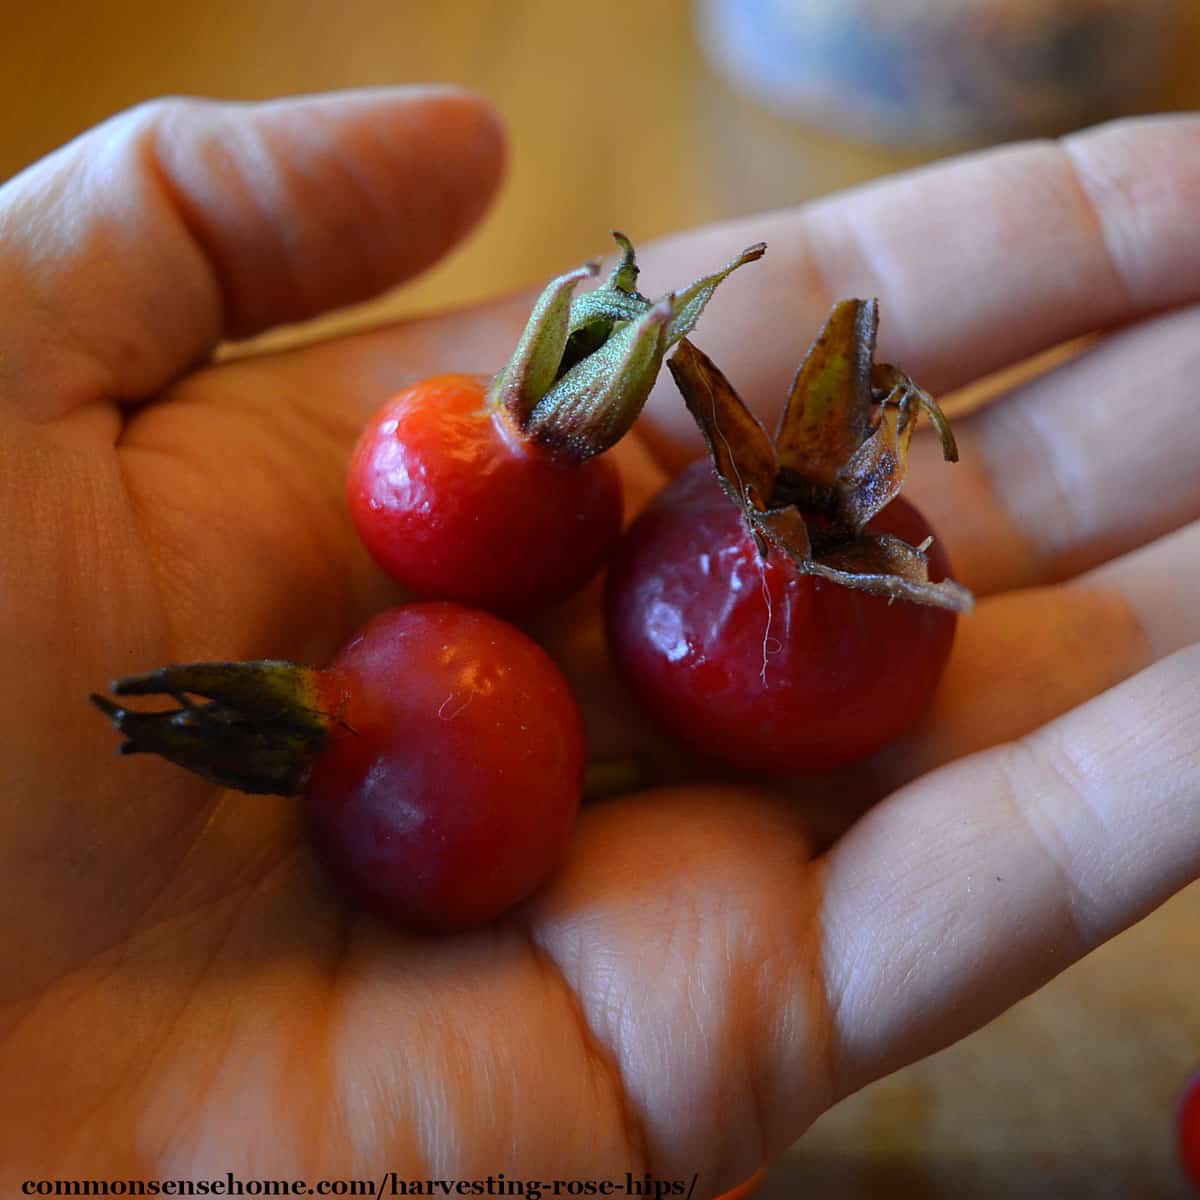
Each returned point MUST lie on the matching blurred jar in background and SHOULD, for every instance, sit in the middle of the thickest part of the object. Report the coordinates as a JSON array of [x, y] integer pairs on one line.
[[941, 72]]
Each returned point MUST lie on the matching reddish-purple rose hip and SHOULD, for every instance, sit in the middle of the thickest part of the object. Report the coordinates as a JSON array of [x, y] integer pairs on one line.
[[778, 607], [441, 756], [745, 659], [450, 780]]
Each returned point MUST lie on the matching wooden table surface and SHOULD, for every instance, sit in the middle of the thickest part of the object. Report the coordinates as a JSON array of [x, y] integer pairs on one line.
[[616, 120]]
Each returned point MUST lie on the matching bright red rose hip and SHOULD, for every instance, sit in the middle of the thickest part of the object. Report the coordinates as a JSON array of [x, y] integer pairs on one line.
[[451, 501]]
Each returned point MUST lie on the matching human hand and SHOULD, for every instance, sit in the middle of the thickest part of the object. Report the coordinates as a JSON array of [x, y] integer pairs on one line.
[[184, 995]]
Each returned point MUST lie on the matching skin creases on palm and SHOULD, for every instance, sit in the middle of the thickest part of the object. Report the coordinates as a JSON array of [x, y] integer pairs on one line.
[[190, 922], [183, 933]]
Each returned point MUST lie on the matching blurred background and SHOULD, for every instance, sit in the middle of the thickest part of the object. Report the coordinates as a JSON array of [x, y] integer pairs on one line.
[[645, 114], [654, 115]]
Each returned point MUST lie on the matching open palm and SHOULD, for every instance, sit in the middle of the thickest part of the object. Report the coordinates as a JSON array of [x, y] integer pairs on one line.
[[719, 962]]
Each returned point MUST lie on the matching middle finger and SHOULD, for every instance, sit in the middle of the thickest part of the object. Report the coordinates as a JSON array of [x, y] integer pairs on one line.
[[1028, 656], [1075, 468]]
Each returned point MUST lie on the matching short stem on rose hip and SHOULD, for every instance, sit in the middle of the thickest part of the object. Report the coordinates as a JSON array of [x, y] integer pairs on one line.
[[608, 777], [257, 726]]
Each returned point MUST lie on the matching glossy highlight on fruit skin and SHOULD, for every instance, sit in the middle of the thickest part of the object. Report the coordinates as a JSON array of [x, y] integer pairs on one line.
[[449, 780], [453, 504], [752, 663]]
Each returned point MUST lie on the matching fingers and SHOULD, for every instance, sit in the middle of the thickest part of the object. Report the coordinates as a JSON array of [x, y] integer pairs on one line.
[[978, 262], [131, 252], [972, 887], [1075, 468], [1021, 660], [1026, 657], [684, 923], [1159, 583]]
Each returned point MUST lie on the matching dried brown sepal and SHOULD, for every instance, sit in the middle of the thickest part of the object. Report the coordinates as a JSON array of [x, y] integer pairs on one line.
[[886, 379], [739, 445], [872, 478], [877, 564], [882, 565], [818, 523], [830, 409], [783, 530]]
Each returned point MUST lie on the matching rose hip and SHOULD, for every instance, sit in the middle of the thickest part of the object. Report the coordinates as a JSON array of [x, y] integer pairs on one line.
[[491, 492], [778, 607], [749, 661], [440, 754], [453, 503]]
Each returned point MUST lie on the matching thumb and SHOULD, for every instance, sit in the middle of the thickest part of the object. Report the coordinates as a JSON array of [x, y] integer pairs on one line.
[[128, 254]]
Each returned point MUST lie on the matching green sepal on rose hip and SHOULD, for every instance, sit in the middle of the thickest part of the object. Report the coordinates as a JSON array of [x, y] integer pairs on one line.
[[837, 460], [584, 366]]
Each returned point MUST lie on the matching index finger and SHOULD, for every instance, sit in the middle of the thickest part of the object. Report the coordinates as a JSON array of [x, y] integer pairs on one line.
[[128, 254], [978, 262]]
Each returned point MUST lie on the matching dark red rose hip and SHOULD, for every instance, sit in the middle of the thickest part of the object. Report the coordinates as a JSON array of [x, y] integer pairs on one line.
[[441, 756], [746, 660], [778, 607]]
